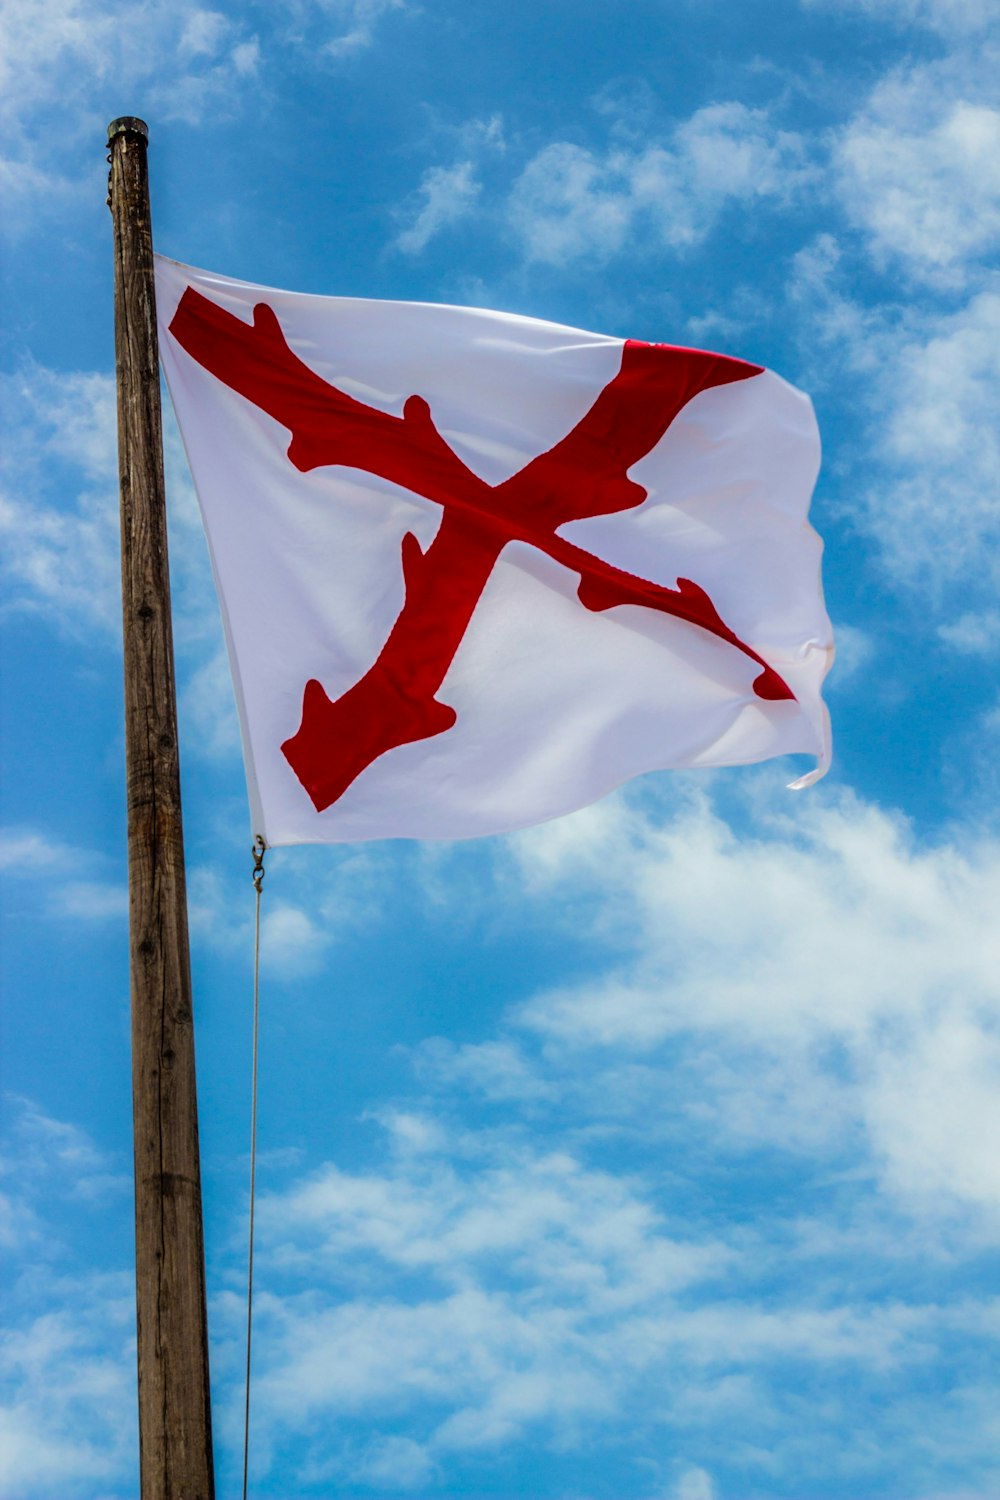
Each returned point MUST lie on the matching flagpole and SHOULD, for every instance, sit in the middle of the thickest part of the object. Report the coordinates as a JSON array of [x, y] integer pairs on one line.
[[175, 1427]]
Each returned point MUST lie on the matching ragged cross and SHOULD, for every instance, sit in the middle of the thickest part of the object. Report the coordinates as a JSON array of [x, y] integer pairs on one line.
[[585, 474]]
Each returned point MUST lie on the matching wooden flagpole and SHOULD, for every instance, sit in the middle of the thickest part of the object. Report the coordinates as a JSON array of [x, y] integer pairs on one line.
[[175, 1427]]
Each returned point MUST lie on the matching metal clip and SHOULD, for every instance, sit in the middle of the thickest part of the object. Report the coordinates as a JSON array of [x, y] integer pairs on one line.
[[258, 862]]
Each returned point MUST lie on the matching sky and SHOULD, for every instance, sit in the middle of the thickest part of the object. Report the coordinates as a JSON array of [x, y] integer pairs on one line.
[[648, 1154]]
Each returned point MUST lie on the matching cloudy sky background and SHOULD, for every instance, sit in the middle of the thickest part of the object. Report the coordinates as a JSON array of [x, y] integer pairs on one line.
[[650, 1154]]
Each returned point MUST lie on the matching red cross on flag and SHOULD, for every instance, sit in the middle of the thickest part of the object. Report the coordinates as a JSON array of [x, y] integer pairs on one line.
[[476, 570]]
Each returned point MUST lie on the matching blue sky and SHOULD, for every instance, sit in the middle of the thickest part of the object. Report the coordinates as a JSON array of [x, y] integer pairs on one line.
[[649, 1154]]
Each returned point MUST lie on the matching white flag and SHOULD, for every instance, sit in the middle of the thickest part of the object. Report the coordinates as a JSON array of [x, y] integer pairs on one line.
[[476, 570]]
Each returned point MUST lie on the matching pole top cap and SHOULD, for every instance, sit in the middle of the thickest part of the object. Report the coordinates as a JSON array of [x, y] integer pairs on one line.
[[128, 125]]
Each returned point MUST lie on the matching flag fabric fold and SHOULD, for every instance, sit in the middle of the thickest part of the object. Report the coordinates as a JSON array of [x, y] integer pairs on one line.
[[477, 569]]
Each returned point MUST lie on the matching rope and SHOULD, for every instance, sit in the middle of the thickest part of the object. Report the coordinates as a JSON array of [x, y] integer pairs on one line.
[[258, 878]]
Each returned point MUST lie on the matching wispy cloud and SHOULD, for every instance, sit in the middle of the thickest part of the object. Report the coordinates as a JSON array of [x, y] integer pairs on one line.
[[975, 634], [354, 22], [62, 559], [483, 1288], [694, 1484], [180, 58], [953, 18], [835, 932], [207, 708], [940, 446], [571, 201], [61, 533], [919, 170], [69, 49], [26, 849], [531, 1254], [536, 1243], [925, 383], [445, 195], [48, 868], [93, 900], [304, 917], [67, 1359], [808, 1000]]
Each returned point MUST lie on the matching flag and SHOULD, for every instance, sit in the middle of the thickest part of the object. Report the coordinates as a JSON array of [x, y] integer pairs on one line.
[[476, 569]]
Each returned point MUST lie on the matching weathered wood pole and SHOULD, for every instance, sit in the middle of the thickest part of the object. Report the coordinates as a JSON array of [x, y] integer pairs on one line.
[[175, 1426]]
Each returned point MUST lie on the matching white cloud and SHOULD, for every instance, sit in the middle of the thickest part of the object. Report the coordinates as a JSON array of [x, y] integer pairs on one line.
[[62, 559], [67, 1355], [83, 56], [203, 33], [538, 1263], [854, 649], [959, 18], [496, 1070], [46, 867], [45, 1161], [92, 900], [30, 191], [694, 1484], [571, 201], [820, 989], [484, 1288], [933, 1109], [36, 1453], [448, 194], [207, 709], [36, 41], [939, 445], [182, 58], [60, 528], [359, 18], [568, 202], [215, 90], [82, 62], [308, 906], [541, 1215], [919, 171], [291, 942], [975, 634], [395, 1463], [835, 931], [926, 383], [24, 849]]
